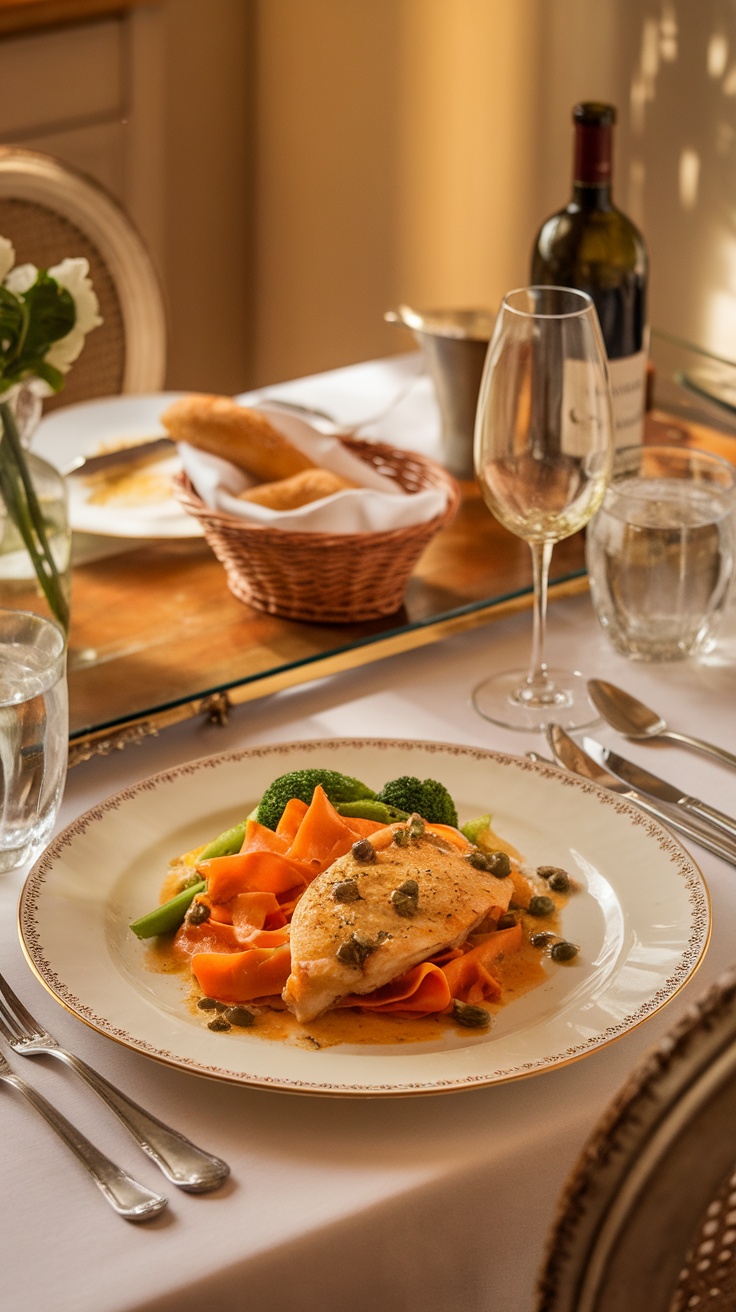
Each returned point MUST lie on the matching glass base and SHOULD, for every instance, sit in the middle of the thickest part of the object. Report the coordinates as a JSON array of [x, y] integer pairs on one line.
[[506, 699]]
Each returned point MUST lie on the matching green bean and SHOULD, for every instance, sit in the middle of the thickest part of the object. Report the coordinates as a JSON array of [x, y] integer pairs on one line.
[[169, 916], [226, 844]]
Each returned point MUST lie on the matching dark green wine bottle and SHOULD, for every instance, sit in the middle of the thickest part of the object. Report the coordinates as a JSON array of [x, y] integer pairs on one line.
[[591, 245]]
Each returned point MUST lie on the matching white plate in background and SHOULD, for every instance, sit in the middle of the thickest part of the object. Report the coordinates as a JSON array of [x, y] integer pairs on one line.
[[92, 427]]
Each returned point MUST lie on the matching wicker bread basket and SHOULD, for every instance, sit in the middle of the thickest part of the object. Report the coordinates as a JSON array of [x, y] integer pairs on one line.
[[335, 578]]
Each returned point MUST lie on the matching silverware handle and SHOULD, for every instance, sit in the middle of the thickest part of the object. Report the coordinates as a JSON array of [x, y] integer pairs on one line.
[[715, 844], [180, 1160], [709, 813], [708, 749], [128, 1198]]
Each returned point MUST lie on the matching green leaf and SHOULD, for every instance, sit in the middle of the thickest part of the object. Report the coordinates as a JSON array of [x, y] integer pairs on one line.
[[51, 315], [13, 319]]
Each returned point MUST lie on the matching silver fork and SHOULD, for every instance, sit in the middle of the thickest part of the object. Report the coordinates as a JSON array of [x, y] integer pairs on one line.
[[128, 1198], [182, 1162]]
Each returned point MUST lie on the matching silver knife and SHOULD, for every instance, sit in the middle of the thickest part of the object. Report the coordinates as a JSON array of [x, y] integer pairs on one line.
[[646, 782], [151, 449], [572, 756]]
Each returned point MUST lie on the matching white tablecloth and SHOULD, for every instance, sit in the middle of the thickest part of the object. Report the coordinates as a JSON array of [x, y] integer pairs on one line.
[[424, 1204]]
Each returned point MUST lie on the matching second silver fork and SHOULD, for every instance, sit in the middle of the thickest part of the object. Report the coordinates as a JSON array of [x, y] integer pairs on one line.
[[124, 1194], [182, 1163]]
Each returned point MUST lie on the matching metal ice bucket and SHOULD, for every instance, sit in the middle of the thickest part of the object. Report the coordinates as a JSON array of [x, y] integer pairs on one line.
[[454, 344]]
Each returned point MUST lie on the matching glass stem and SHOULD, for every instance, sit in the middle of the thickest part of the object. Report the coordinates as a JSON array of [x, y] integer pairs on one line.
[[538, 679]]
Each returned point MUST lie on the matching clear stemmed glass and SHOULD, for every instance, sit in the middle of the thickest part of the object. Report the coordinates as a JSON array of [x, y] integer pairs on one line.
[[543, 454]]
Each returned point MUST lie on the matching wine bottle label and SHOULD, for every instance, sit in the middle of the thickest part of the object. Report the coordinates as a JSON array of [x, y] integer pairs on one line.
[[583, 406], [628, 383]]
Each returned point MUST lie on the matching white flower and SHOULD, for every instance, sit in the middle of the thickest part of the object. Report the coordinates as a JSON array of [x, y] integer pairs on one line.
[[7, 257], [74, 276], [21, 278]]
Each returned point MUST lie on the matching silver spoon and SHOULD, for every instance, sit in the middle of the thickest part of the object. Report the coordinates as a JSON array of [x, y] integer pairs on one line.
[[630, 717]]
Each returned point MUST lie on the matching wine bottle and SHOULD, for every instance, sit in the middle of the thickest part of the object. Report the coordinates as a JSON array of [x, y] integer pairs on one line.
[[591, 245]]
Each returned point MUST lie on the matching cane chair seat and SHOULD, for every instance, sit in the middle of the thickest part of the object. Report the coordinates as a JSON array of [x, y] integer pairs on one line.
[[647, 1221], [49, 211]]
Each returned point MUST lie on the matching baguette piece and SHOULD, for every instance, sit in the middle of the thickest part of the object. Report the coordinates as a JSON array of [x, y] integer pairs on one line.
[[299, 490], [234, 433]]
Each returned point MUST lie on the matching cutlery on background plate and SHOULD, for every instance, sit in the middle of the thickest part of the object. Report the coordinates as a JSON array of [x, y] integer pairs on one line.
[[568, 753], [128, 1198], [182, 1162], [635, 720], [646, 782], [151, 449]]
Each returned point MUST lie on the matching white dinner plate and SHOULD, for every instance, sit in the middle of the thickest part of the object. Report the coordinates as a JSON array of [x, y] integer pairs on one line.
[[641, 917], [92, 427]]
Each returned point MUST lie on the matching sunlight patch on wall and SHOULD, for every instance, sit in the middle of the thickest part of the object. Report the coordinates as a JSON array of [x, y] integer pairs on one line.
[[728, 86], [668, 34], [717, 55], [635, 193], [688, 178]]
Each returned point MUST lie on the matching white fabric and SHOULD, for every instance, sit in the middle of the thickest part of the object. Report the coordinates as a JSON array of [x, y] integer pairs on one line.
[[430, 1204], [378, 504]]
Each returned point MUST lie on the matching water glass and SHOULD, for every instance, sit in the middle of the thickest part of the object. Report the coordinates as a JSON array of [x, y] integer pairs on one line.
[[660, 551], [34, 733]]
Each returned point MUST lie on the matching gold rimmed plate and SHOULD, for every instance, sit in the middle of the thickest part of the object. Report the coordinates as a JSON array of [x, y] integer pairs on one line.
[[641, 916]]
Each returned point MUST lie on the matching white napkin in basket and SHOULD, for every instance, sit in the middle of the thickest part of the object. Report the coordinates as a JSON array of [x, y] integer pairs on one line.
[[377, 505]]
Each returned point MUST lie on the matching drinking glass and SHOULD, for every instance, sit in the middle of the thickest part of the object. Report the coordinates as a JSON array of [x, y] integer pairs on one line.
[[543, 453], [660, 551], [34, 733]]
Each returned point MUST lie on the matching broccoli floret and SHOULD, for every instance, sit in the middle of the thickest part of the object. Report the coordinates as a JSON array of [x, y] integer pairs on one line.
[[427, 798], [301, 784]]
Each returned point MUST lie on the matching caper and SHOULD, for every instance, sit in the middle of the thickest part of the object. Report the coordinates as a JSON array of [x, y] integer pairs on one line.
[[477, 859], [507, 921], [241, 1016], [346, 891], [475, 1018], [198, 913], [362, 850], [541, 939], [409, 887], [498, 864], [349, 954], [540, 906], [355, 949], [218, 1023], [559, 882], [415, 825], [210, 1004], [546, 872], [564, 951], [403, 905], [402, 837]]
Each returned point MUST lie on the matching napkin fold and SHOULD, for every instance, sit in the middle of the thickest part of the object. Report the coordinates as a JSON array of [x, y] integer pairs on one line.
[[377, 505]]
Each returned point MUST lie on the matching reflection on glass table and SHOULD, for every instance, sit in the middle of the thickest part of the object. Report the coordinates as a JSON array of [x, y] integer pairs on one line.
[[157, 637]]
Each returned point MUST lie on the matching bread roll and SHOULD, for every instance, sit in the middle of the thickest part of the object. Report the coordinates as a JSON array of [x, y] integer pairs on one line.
[[242, 436], [299, 490]]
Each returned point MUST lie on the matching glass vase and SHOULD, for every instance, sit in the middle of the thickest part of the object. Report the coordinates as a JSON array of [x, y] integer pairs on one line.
[[35, 536], [20, 588]]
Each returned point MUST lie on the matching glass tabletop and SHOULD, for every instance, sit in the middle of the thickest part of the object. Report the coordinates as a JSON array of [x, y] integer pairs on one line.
[[157, 637]]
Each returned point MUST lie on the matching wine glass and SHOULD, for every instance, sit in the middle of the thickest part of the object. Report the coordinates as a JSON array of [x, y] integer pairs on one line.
[[543, 455]]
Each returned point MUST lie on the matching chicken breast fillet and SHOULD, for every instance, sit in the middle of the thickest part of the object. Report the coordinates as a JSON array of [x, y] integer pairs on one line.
[[361, 924]]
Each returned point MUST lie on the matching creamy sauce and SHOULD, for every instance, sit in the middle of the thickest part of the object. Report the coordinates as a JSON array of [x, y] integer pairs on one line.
[[137, 484], [517, 974], [135, 487]]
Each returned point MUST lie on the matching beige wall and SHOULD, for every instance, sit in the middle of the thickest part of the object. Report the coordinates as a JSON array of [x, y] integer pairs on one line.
[[298, 167], [393, 147]]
